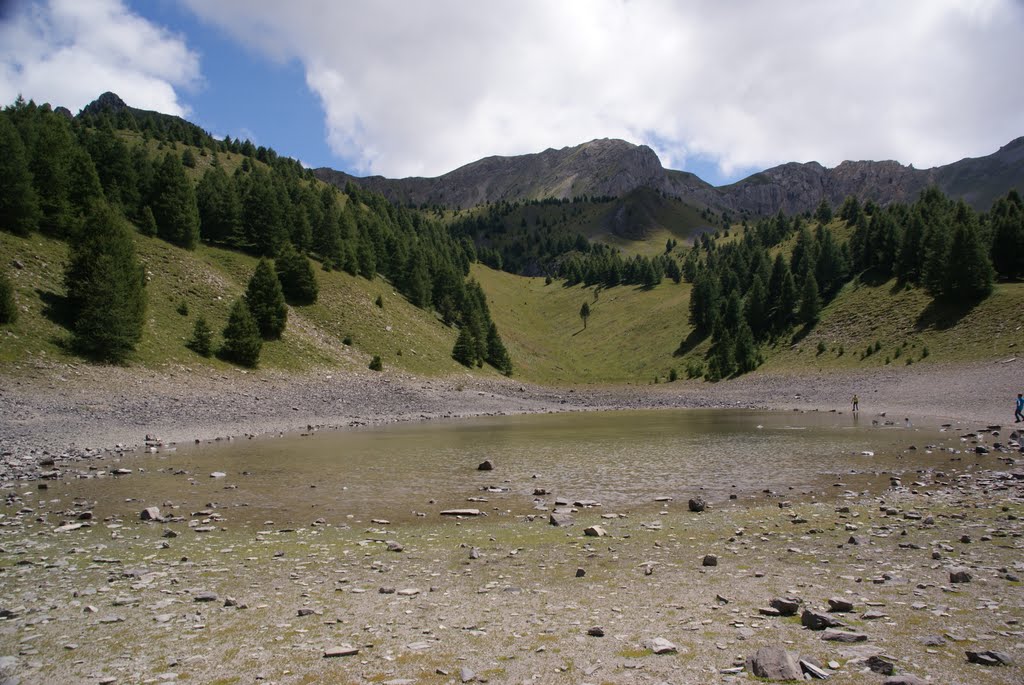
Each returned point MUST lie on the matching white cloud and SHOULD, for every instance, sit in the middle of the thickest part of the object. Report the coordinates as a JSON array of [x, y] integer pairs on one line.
[[67, 52], [423, 87]]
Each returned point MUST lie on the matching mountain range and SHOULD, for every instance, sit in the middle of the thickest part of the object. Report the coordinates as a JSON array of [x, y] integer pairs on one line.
[[615, 168]]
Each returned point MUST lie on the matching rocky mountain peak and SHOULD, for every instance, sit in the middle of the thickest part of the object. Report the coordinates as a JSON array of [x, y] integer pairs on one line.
[[108, 102]]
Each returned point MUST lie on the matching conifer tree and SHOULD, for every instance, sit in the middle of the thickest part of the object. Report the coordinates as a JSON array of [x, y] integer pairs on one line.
[[242, 342], [105, 287], [810, 301], [19, 206], [746, 353], [1008, 236], [147, 224], [756, 309], [969, 273], [202, 338], [49, 161], [8, 307], [266, 301], [220, 209], [464, 351], [497, 354], [174, 204], [298, 282]]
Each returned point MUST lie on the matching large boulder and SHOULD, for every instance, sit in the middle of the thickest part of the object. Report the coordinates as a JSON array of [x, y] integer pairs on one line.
[[774, 663]]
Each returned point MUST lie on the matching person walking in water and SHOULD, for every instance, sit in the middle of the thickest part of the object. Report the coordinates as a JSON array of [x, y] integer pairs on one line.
[[1019, 414], [856, 404]]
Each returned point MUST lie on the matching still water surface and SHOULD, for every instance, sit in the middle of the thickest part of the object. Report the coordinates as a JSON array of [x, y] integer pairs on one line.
[[624, 460]]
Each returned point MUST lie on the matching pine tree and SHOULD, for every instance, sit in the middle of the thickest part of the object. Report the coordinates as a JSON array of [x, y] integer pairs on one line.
[[464, 351], [220, 209], [202, 338], [49, 160], [298, 282], [585, 314], [746, 354], [969, 273], [174, 204], [8, 307], [242, 342], [147, 225], [810, 301], [19, 206], [497, 355], [266, 301], [756, 309], [106, 287], [1008, 236]]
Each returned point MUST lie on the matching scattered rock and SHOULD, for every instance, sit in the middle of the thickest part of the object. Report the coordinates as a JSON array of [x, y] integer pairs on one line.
[[341, 650], [485, 465], [466, 675], [560, 520], [905, 679], [959, 575], [205, 597], [461, 512], [989, 658], [151, 514], [880, 664], [831, 635], [697, 504], [774, 663], [660, 645], [818, 621], [595, 532], [786, 606], [840, 605], [596, 631], [709, 560]]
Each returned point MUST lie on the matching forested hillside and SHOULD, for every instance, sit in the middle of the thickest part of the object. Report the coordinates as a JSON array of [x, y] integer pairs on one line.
[[101, 180]]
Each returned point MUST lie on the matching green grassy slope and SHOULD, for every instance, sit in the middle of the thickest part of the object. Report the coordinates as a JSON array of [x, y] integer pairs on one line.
[[207, 280], [630, 335]]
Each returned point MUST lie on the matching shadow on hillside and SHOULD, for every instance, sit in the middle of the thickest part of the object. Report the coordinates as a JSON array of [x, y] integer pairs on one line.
[[691, 341], [56, 308], [801, 333], [941, 316]]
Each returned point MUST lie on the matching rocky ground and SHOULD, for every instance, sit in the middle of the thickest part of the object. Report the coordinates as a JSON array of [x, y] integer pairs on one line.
[[921, 569]]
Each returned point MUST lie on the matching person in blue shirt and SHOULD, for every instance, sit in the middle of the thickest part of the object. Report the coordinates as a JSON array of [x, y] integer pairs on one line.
[[1019, 414]]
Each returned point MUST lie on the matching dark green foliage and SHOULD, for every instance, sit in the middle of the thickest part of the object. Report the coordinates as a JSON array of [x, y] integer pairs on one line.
[[202, 338], [173, 200], [756, 309], [673, 375], [8, 307], [263, 214], [810, 302], [379, 301], [105, 287], [746, 354], [266, 301], [183, 308], [464, 351], [220, 209], [242, 342], [19, 206], [585, 313], [1008, 236], [497, 355], [376, 364], [969, 273], [51, 151], [347, 340], [830, 270], [824, 212], [147, 224], [188, 158], [298, 280]]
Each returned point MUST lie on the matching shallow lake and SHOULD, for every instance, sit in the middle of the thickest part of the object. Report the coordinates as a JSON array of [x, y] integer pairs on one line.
[[624, 460]]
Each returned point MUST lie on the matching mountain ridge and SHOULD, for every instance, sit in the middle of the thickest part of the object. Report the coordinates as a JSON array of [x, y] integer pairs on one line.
[[614, 167]]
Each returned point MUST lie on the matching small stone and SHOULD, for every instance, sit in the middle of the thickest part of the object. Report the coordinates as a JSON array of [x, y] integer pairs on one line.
[[818, 621], [595, 532], [560, 520], [880, 664], [395, 546], [466, 675], [580, 572], [709, 560], [150, 514], [485, 465], [905, 679], [341, 650], [660, 645], [840, 605], [596, 631], [843, 636], [786, 606], [218, 474], [959, 575], [305, 611], [697, 504], [206, 597]]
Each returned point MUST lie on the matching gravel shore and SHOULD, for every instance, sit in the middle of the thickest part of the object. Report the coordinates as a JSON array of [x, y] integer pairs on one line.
[[57, 408]]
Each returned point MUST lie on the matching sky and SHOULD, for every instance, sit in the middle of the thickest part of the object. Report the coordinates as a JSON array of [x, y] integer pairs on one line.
[[722, 88]]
